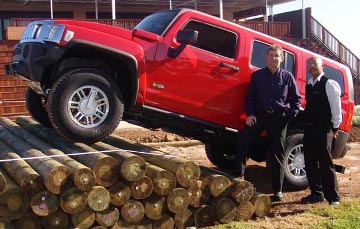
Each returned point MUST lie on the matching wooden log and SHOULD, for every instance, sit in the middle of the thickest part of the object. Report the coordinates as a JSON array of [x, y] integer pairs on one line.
[[262, 204], [184, 219], [164, 181], [108, 217], [13, 201], [3, 183], [99, 227], [44, 203], [225, 210], [19, 170], [73, 200], [133, 211], [143, 224], [178, 200], [132, 167], [106, 168], [54, 173], [241, 190], [165, 222], [218, 184], [199, 193], [119, 194], [204, 216], [6, 224], [28, 221], [155, 207], [84, 219], [82, 176], [57, 220], [245, 211], [98, 198], [186, 172], [141, 189]]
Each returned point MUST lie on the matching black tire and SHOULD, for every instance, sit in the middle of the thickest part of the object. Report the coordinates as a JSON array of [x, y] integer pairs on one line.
[[36, 105], [221, 155], [94, 113], [295, 174]]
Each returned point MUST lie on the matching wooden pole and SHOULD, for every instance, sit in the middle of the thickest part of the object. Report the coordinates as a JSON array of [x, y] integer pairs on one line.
[[108, 217], [104, 166], [83, 177], [155, 207], [44, 203], [178, 200], [20, 171], [225, 210], [3, 183], [13, 201], [199, 193], [83, 219], [133, 211], [163, 180], [73, 200], [119, 194], [132, 167], [186, 172], [98, 198], [57, 220], [28, 221], [241, 190], [218, 184], [143, 224], [245, 211], [205, 216], [184, 219], [262, 204], [6, 224], [141, 189], [166, 221], [54, 173]]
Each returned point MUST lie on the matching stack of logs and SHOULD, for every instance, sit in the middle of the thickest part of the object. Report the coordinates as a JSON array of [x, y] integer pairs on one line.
[[48, 182]]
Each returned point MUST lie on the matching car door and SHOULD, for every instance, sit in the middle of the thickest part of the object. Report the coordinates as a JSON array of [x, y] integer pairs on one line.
[[203, 81]]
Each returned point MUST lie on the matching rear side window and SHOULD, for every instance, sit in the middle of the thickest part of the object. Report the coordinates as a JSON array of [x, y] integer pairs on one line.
[[334, 74], [214, 39], [258, 57]]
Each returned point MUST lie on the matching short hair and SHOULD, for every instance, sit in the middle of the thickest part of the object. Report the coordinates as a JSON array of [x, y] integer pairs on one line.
[[275, 48]]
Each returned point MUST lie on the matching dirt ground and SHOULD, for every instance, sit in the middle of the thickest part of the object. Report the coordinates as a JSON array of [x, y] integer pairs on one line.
[[349, 183]]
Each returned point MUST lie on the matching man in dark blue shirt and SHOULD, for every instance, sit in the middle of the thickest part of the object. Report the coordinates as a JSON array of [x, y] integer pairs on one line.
[[273, 99]]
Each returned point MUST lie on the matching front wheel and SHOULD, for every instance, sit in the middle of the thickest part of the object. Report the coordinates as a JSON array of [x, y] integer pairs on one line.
[[36, 105], [85, 105], [295, 174]]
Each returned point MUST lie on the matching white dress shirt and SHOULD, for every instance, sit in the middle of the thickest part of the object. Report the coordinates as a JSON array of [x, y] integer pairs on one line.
[[333, 93]]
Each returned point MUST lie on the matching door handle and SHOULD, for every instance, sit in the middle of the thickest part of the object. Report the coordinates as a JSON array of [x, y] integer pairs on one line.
[[230, 66]]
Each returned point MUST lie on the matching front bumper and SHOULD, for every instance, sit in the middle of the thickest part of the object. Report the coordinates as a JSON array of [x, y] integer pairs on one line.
[[32, 59]]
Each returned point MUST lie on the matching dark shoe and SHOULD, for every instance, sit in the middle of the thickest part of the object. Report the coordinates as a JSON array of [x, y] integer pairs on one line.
[[311, 199], [334, 203], [277, 197]]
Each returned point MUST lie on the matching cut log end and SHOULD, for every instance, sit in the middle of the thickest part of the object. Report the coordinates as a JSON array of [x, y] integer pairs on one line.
[[225, 210], [56, 220], [204, 216], [83, 219], [262, 204], [108, 217], [106, 171], [133, 211], [44, 203], [184, 219], [84, 179], [142, 188], [178, 200], [98, 198], [155, 207], [119, 194], [13, 203], [56, 178], [187, 173], [164, 183], [133, 168], [73, 201]]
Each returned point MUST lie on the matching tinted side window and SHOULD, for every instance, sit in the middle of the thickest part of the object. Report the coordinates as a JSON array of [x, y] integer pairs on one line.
[[334, 74], [214, 39], [258, 56]]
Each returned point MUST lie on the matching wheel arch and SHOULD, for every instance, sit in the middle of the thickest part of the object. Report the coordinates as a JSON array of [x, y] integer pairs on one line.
[[121, 66]]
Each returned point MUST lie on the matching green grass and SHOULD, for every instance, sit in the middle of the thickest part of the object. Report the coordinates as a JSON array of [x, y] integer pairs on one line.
[[344, 216]]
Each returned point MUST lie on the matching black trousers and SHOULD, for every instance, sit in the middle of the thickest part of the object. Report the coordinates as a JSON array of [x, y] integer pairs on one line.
[[319, 166], [276, 127]]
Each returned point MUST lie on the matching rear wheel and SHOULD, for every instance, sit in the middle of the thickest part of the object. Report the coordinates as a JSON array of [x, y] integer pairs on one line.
[[85, 105], [36, 105], [220, 154]]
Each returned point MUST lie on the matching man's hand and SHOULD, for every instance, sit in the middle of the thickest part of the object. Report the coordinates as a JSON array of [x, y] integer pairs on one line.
[[251, 120]]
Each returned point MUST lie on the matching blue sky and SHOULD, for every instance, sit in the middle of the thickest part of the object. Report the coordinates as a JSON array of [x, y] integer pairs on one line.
[[340, 17]]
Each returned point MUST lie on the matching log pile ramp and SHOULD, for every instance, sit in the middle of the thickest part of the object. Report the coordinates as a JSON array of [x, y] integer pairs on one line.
[[47, 181]]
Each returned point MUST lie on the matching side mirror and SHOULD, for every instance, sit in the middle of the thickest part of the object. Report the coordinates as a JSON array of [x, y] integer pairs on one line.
[[184, 37]]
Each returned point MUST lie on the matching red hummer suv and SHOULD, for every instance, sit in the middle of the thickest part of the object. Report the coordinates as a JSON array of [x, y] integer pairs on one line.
[[178, 68]]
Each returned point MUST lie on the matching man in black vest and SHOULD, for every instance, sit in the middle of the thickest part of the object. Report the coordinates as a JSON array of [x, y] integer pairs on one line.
[[272, 100], [322, 120]]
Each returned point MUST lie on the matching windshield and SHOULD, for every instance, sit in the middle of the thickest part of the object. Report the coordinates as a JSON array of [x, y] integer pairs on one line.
[[157, 22]]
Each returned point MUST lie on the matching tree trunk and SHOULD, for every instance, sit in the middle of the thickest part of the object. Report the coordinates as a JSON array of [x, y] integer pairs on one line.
[[241, 190], [225, 210], [54, 173], [133, 211], [245, 211], [108, 217], [165, 222], [184, 219], [20, 171], [44, 203], [163, 180], [83, 177], [262, 204], [204, 216], [98, 198], [186, 172], [83, 219], [178, 200], [73, 201], [104, 166], [155, 207], [132, 167], [57, 220], [28, 221], [13, 201], [119, 194]]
